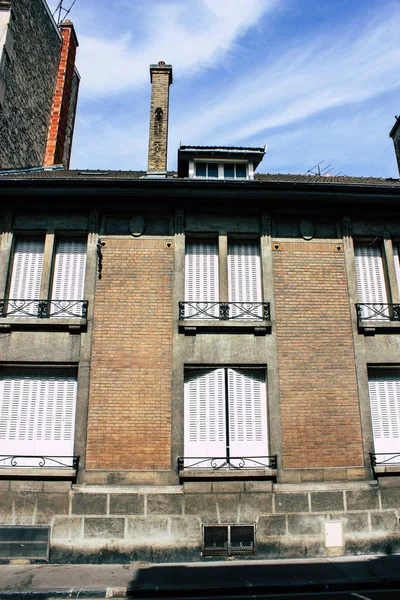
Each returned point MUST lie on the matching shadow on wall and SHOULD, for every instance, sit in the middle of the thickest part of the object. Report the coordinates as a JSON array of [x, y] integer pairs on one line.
[[250, 578]]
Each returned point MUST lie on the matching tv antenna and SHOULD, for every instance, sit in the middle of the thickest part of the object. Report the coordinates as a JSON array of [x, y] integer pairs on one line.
[[318, 169], [62, 12]]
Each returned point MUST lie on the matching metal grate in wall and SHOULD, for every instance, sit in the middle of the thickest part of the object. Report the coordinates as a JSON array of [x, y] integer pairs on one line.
[[24, 541], [228, 540]]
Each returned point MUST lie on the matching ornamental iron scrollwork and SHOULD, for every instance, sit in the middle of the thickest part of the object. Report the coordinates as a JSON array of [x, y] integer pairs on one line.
[[31, 461], [225, 463], [384, 459], [378, 311], [44, 309], [225, 311]]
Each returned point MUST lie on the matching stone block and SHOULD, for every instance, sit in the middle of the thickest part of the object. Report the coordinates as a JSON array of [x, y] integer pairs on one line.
[[390, 497], [312, 475], [221, 487], [202, 505], [66, 528], [186, 528], [164, 504], [57, 486], [335, 474], [327, 501], [4, 485], [357, 474], [228, 506], [25, 508], [305, 524], [354, 522], [197, 487], [384, 521], [291, 503], [148, 528], [126, 504], [254, 505], [393, 481], [271, 525], [104, 528], [258, 486], [49, 505], [89, 504], [26, 486], [289, 477], [6, 510], [362, 499]]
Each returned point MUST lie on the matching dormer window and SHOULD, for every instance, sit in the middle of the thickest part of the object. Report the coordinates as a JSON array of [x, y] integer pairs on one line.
[[219, 162], [221, 170]]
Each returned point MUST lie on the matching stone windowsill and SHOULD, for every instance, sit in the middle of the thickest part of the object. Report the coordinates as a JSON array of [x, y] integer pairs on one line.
[[37, 472], [227, 474], [194, 326], [8, 324], [386, 469]]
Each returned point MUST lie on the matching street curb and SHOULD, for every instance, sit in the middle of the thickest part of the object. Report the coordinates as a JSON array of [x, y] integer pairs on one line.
[[199, 594]]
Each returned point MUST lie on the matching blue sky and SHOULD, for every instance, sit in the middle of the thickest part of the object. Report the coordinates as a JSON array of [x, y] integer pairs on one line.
[[313, 79]]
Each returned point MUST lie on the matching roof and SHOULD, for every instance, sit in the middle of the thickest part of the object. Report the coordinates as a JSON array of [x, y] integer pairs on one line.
[[395, 127], [98, 175], [223, 148]]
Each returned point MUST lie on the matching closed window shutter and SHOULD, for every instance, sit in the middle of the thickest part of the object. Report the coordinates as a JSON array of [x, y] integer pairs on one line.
[[26, 275], [247, 413], [201, 277], [37, 415], [69, 273], [204, 416], [370, 276], [244, 274], [384, 393]]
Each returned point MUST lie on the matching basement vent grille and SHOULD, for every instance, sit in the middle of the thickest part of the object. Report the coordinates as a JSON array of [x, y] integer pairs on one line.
[[228, 540], [24, 541]]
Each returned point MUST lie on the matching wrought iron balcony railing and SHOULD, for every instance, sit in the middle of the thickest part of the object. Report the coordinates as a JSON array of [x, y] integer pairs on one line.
[[225, 311], [384, 459], [225, 463], [43, 309], [378, 312], [33, 461]]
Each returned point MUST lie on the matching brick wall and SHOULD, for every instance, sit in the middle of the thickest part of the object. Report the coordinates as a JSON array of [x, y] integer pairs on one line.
[[318, 388], [129, 422]]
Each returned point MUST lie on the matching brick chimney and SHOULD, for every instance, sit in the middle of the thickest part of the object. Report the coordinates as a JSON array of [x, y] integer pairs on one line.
[[395, 135], [62, 119], [161, 79]]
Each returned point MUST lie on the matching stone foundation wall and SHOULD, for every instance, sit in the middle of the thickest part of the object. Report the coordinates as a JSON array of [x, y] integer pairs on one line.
[[118, 524]]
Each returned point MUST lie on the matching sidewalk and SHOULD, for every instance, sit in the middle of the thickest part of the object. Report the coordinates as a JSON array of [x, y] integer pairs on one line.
[[195, 580]]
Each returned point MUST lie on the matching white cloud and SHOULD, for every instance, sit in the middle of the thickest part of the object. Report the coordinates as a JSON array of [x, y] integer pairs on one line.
[[327, 73], [191, 35]]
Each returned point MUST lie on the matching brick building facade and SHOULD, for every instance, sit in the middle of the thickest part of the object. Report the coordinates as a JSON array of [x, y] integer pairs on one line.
[[38, 86], [219, 349]]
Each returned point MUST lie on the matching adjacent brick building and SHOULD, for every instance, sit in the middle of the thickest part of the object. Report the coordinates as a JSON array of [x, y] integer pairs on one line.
[[38, 86], [199, 363]]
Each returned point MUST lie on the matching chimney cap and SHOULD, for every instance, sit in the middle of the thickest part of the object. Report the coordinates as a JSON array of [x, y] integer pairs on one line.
[[161, 67]]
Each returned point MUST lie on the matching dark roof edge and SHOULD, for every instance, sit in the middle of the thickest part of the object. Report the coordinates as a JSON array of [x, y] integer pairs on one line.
[[395, 126]]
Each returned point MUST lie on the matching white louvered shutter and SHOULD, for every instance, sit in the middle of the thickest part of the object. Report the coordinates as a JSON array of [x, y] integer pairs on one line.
[[201, 278], [204, 416], [69, 274], [247, 413], [370, 277], [244, 277], [384, 394], [26, 277], [37, 416]]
